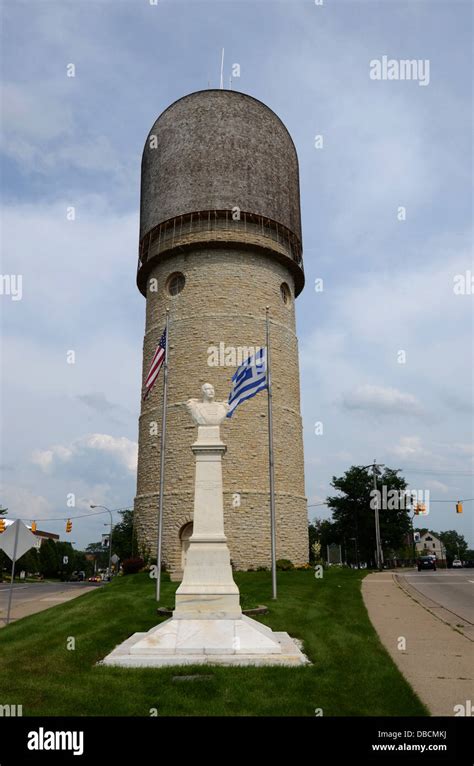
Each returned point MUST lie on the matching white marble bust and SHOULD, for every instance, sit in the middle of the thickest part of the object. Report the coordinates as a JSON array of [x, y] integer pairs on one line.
[[207, 412]]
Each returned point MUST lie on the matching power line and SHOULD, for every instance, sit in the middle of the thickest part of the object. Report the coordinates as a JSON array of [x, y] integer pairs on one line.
[[469, 500], [458, 500], [65, 518], [435, 471]]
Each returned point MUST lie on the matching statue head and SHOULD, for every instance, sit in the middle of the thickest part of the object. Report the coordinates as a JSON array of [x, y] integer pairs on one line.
[[207, 392]]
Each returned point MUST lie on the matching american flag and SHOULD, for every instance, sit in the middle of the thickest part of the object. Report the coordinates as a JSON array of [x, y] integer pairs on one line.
[[155, 366]]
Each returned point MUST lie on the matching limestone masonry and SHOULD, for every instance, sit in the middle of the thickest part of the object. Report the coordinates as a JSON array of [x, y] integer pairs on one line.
[[220, 239]]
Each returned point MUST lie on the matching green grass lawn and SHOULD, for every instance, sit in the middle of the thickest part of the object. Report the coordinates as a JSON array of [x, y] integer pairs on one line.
[[352, 673]]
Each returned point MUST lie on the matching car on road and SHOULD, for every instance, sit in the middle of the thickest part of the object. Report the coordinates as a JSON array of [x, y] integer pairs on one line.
[[457, 564], [95, 578], [426, 562], [77, 576]]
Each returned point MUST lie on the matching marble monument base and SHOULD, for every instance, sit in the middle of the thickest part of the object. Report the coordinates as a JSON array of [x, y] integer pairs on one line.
[[241, 641]]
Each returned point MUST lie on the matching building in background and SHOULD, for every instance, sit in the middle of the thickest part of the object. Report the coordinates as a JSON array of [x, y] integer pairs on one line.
[[430, 544]]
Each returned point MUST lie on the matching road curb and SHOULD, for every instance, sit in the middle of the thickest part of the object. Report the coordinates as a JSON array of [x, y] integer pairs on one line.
[[455, 621]]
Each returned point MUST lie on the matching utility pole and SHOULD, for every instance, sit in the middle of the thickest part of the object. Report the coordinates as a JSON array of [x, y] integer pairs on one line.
[[378, 543]]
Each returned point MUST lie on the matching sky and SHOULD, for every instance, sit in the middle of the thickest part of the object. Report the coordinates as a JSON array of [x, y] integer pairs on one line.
[[385, 345]]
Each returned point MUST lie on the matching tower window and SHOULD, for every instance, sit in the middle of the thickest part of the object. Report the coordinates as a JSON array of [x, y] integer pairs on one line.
[[285, 294], [175, 283]]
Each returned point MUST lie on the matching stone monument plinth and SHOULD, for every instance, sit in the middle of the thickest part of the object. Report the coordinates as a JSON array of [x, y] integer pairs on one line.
[[207, 626]]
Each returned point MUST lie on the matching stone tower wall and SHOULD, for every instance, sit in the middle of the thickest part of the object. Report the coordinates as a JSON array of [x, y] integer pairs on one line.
[[233, 269]]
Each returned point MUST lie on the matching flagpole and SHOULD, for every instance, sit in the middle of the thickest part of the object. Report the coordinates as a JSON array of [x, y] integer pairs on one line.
[[162, 463], [270, 456]]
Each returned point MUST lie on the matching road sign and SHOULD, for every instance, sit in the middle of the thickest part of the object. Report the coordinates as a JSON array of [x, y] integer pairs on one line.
[[15, 542], [114, 559], [25, 541], [65, 559]]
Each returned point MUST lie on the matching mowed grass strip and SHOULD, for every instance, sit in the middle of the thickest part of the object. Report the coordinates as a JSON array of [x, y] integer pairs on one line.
[[352, 674]]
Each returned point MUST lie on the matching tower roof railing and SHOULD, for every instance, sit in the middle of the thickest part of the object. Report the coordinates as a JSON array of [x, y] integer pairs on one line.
[[221, 226]]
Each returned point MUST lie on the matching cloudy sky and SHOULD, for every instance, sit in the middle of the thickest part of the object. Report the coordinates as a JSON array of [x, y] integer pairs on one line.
[[385, 346]]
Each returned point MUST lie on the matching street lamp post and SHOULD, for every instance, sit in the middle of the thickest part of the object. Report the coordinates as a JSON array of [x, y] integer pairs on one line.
[[110, 536]]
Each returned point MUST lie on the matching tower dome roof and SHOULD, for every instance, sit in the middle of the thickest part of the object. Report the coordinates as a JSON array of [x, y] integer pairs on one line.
[[219, 150]]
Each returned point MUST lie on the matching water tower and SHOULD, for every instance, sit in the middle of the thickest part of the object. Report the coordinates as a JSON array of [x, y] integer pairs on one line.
[[220, 239]]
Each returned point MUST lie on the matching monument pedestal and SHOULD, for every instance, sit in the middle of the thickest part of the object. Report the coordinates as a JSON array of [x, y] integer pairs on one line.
[[208, 590], [207, 626]]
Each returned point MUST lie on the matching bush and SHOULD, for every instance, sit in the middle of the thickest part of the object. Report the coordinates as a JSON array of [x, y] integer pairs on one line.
[[284, 565], [262, 569], [132, 566]]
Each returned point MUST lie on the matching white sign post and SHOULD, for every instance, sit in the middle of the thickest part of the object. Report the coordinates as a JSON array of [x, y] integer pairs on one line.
[[15, 541]]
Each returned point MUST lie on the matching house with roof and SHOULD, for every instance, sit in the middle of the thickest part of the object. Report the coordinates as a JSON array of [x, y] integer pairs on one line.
[[428, 543]]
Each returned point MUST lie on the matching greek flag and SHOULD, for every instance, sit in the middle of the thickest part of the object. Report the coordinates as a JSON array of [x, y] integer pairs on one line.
[[248, 380]]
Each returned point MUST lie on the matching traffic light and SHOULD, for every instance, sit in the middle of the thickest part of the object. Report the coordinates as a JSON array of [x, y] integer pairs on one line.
[[33, 526], [420, 509], [459, 507], [2, 525], [68, 525]]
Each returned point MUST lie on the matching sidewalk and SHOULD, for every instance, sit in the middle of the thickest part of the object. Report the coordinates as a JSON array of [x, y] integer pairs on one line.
[[437, 661]]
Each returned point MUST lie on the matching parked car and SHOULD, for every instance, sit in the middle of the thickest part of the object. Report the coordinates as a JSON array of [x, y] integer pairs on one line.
[[95, 578], [469, 563], [426, 562], [457, 564]]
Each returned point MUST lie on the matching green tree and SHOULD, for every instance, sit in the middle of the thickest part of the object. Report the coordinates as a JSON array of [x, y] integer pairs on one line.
[[353, 512], [324, 532], [48, 559], [82, 564], [455, 544], [63, 550], [29, 562], [123, 536], [100, 553]]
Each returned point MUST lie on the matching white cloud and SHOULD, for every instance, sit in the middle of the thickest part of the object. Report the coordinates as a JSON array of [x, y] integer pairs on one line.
[[383, 400], [463, 449], [42, 134], [25, 504], [35, 114], [97, 401], [47, 458], [436, 486], [122, 450], [409, 447]]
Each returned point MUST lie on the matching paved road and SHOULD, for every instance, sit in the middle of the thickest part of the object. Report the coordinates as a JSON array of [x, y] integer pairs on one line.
[[451, 588], [29, 598]]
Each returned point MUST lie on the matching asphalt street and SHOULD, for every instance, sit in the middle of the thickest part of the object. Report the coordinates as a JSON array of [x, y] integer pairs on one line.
[[29, 598], [451, 588]]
